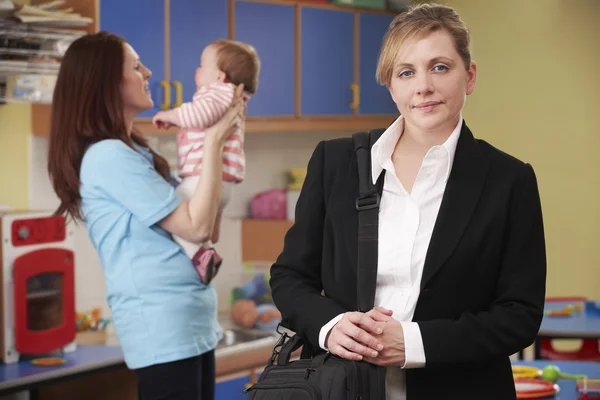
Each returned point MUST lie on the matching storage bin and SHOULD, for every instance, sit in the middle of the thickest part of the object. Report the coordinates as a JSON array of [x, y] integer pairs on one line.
[[377, 4], [398, 5]]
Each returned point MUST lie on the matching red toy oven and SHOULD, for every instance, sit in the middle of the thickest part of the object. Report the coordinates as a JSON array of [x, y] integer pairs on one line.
[[37, 303]]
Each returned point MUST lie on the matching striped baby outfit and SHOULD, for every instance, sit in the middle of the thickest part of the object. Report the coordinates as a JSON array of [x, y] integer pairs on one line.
[[209, 104]]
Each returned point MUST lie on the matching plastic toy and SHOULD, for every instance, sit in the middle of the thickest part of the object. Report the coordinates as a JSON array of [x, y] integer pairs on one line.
[[535, 388], [566, 311], [247, 314], [588, 389], [91, 321], [48, 361], [252, 304], [257, 289], [525, 372], [551, 373]]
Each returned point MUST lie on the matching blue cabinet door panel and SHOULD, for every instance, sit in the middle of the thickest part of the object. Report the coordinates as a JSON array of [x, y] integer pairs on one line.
[[270, 29], [374, 98], [142, 24], [232, 389], [194, 24], [327, 61]]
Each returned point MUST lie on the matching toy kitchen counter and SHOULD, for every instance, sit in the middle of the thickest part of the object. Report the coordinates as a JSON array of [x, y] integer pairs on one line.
[[242, 349], [99, 371]]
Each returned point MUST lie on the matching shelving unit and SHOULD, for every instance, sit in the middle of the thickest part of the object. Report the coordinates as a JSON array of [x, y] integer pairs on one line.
[[374, 113], [262, 239], [33, 39], [30, 60]]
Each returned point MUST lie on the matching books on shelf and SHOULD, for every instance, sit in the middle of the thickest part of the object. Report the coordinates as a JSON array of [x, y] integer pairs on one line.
[[33, 39], [49, 13]]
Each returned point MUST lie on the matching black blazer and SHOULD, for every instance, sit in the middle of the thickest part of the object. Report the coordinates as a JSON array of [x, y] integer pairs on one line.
[[483, 286]]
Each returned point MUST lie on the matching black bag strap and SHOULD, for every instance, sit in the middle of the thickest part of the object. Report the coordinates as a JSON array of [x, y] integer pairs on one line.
[[367, 204], [289, 347]]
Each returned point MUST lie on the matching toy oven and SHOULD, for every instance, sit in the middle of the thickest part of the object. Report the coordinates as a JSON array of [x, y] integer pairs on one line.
[[37, 302]]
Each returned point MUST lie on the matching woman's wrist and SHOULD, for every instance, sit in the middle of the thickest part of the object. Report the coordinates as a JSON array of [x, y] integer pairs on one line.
[[212, 144]]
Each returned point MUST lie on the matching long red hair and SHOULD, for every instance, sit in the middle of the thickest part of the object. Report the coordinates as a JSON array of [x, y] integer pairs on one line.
[[87, 108]]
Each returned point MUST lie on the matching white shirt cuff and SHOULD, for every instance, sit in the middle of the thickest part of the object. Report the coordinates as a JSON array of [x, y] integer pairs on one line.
[[325, 330], [413, 344]]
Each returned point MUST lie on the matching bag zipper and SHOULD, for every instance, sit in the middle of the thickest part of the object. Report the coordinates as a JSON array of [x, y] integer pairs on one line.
[[306, 386], [275, 373], [357, 385]]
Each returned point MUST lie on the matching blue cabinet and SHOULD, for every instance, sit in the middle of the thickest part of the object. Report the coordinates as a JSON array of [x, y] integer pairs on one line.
[[270, 29], [142, 24], [327, 52], [232, 389], [327, 61], [193, 25], [374, 98]]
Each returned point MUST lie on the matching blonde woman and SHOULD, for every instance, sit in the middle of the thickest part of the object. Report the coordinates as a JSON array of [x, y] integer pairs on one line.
[[461, 271]]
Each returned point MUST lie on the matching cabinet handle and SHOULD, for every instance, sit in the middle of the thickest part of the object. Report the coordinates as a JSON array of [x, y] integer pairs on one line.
[[167, 104], [179, 91], [355, 96]]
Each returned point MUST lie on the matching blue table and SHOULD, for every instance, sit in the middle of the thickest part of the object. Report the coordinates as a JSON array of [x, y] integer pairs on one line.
[[85, 360], [567, 386], [583, 325], [579, 325]]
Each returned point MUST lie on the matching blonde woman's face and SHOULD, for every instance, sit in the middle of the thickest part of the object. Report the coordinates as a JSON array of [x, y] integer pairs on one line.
[[430, 82]]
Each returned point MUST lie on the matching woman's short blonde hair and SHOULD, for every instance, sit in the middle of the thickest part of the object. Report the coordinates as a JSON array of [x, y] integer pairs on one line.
[[419, 21]]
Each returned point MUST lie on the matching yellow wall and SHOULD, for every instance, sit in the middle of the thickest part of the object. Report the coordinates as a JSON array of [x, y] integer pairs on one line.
[[15, 128], [537, 98]]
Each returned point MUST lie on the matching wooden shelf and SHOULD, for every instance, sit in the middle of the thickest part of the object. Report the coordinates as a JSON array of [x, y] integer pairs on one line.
[[86, 8], [262, 239], [291, 124], [41, 123], [40, 113]]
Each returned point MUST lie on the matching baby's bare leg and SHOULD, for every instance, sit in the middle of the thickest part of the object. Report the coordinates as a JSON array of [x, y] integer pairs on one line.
[[217, 228]]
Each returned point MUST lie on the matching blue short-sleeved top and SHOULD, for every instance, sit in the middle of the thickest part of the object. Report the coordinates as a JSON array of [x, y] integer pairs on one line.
[[161, 310]]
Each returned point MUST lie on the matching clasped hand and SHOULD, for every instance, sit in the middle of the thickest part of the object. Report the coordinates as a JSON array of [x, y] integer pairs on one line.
[[374, 337]]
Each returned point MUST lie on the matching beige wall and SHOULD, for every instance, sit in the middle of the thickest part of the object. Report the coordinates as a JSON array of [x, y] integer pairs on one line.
[[15, 127], [537, 98]]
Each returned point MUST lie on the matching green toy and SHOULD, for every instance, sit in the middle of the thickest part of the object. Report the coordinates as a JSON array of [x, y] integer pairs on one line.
[[551, 373]]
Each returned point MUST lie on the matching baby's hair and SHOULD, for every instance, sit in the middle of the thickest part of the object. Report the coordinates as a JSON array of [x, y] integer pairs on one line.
[[240, 63]]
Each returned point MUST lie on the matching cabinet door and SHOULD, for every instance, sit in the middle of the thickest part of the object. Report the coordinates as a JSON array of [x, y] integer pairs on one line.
[[374, 98], [231, 389], [142, 24], [270, 29], [327, 61], [194, 24]]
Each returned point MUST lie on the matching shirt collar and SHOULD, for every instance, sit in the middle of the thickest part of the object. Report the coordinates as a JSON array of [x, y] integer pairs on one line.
[[382, 150]]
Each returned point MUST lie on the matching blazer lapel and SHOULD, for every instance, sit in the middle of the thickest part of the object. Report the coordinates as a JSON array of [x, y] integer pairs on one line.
[[460, 198]]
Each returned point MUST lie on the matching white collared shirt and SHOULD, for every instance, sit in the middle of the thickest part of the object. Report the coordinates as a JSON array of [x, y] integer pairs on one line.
[[406, 224]]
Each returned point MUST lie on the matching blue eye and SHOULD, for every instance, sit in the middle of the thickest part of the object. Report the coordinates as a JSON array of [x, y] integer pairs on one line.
[[440, 68], [405, 74]]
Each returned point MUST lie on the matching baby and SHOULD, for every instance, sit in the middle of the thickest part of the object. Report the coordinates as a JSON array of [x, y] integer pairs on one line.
[[224, 64]]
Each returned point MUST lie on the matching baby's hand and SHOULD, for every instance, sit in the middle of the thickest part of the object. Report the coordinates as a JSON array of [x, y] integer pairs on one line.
[[162, 120]]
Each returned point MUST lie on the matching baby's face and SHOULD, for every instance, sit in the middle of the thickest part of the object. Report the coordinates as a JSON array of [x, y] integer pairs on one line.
[[208, 72]]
